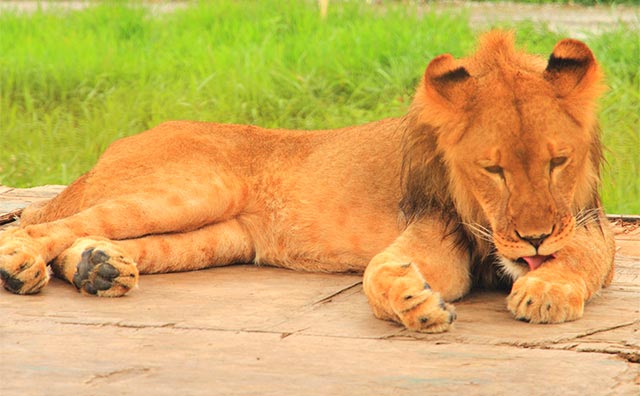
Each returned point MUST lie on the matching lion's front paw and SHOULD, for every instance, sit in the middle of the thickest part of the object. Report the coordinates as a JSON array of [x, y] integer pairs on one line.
[[22, 268], [97, 267], [540, 301], [423, 310]]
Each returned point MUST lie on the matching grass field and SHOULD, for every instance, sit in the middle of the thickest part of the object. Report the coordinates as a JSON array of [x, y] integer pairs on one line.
[[72, 82]]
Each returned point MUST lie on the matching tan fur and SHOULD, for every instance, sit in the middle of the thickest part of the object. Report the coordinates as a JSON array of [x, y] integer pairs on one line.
[[498, 151]]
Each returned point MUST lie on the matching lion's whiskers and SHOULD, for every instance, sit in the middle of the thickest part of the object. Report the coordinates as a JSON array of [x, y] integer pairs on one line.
[[587, 216], [480, 231]]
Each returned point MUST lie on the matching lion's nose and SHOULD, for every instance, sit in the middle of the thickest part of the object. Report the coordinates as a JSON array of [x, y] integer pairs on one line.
[[534, 240]]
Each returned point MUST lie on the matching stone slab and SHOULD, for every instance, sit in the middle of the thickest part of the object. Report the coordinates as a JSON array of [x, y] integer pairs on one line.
[[243, 330]]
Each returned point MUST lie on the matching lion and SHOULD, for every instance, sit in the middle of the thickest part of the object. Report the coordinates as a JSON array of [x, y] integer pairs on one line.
[[490, 179]]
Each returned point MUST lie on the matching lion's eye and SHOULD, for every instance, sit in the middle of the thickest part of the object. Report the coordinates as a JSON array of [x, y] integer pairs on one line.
[[556, 162], [496, 170]]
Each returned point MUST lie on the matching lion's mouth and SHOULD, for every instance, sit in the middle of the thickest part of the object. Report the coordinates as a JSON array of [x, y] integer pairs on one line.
[[535, 261]]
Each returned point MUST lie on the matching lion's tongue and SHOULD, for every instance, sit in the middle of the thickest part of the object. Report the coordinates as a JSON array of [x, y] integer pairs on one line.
[[535, 261]]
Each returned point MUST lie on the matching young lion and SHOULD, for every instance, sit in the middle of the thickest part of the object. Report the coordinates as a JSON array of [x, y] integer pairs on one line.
[[491, 179]]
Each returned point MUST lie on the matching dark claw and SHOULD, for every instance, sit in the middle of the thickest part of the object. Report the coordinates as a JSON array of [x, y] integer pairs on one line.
[[452, 317], [424, 319], [529, 302], [408, 297], [443, 306], [10, 283], [426, 286]]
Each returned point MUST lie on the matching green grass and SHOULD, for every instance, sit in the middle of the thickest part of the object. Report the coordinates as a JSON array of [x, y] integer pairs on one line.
[[72, 82]]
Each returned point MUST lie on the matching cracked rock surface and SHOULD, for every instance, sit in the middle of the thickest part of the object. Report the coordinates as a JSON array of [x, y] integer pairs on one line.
[[248, 330]]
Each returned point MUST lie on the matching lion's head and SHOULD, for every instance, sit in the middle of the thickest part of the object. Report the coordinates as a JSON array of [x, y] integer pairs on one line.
[[507, 145]]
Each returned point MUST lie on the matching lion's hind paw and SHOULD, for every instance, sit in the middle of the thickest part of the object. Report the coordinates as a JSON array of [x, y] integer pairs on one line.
[[98, 267], [22, 268]]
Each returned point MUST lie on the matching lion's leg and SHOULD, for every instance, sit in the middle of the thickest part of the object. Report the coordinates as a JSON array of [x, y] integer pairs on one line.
[[410, 281], [211, 246], [24, 252], [32, 214], [557, 291], [109, 268]]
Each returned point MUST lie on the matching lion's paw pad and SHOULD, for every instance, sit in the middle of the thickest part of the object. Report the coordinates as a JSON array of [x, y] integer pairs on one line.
[[102, 274]]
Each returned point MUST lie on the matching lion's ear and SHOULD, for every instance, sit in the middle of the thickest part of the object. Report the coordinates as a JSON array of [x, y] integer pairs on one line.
[[447, 83], [572, 70], [445, 91]]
